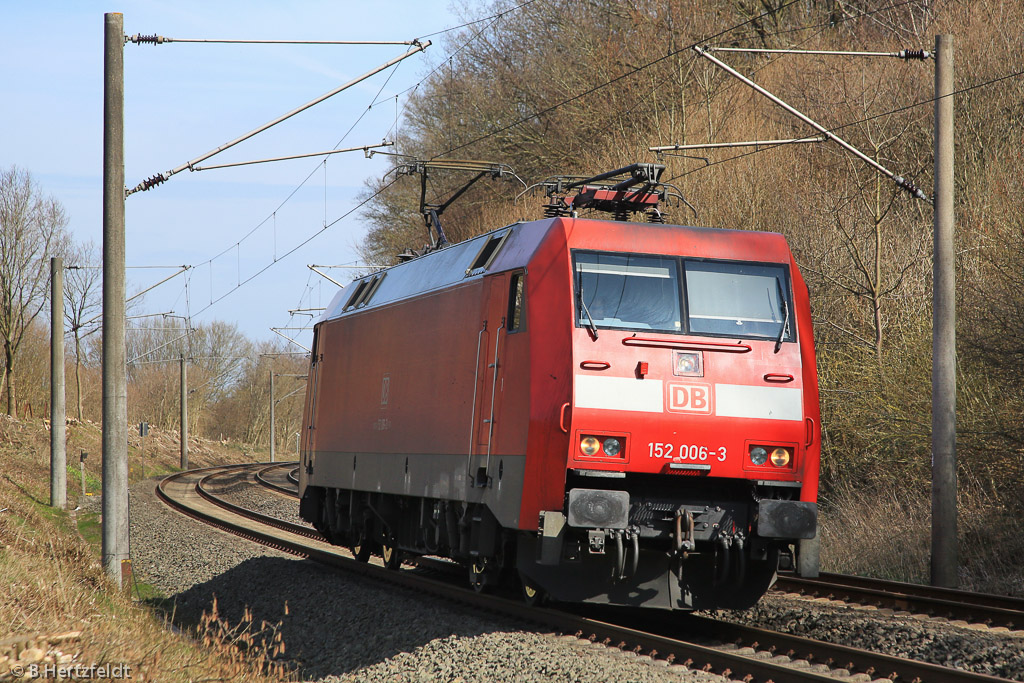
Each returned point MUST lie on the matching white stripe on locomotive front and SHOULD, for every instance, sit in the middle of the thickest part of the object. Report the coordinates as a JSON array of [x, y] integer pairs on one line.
[[759, 403], [647, 396], [620, 393]]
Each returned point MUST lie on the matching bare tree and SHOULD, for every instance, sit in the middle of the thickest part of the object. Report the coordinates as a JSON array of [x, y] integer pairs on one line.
[[32, 228], [83, 301]]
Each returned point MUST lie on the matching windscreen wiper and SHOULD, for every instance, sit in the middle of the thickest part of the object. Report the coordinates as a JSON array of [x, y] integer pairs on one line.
[[785, 313], [583, 305]]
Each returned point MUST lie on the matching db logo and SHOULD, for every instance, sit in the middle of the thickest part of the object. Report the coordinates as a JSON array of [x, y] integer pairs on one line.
[[689, 398]]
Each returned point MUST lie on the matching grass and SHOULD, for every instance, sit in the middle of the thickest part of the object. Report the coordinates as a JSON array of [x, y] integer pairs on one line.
[[885, 532], [56, 597]]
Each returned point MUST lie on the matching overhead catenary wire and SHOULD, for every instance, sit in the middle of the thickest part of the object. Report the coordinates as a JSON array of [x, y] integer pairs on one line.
[[364, 148], [154, 39], [497, 15], [373, 102], [127, 267], [298, 246], [600, 86], [793, 49], [900, 54], [493, 19], [99, 316], [163, 177], [897, 110], [301, 346], [633, 71], [162, 346], [898, 179], [749, 143], [273, 215], [325, 275]]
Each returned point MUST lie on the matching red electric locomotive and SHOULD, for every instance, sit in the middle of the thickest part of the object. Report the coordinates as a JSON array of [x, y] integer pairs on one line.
[[617, 412]]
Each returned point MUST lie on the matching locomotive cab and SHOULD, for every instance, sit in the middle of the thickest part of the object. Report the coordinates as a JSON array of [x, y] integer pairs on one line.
[[692, 428]]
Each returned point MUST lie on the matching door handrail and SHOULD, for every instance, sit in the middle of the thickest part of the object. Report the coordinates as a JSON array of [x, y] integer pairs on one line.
[[472, 415], [494, 388]]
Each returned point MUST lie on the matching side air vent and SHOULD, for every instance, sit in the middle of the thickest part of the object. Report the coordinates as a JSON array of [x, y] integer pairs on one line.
[[487, 252]]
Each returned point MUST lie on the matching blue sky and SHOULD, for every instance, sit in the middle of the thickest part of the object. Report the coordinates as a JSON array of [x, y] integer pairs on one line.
[[182, 100]]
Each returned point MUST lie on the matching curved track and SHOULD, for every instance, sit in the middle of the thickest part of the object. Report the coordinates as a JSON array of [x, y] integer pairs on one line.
[[662, 634], [290, 488], [982, 608]]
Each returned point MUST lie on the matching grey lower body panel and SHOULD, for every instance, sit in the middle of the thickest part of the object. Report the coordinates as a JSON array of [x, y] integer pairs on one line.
[[427, 475]]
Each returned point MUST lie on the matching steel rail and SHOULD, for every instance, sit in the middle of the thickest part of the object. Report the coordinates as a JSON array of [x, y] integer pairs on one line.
[[992, 610], [284, 490], [283, 525], [621, 636], [852, 659]]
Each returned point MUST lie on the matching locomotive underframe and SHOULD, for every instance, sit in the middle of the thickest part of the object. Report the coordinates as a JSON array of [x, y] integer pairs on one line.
[[689, 543]]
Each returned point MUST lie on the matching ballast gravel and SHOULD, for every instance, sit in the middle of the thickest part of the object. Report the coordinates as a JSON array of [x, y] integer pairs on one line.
[[340, 627], [970, 647]]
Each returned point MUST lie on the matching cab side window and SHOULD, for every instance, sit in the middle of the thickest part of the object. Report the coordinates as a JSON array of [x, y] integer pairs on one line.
[[516, 302]]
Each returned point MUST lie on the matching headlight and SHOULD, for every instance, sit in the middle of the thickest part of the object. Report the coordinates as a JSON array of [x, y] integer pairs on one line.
[[611, 446], [758, 455], [589, 445], [780, 457]]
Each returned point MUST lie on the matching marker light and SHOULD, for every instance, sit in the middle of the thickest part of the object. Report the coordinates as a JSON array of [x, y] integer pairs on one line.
[[758, 455], [780, 457], [589, 445], [687, 364], [611, 446]]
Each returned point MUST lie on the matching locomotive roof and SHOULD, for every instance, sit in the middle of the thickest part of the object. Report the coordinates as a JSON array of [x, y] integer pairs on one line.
[[513, 247], [504, 249]]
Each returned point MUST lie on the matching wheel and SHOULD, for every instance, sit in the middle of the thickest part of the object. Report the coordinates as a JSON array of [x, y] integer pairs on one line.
[[391, 555], [533, 595], [361, 547]]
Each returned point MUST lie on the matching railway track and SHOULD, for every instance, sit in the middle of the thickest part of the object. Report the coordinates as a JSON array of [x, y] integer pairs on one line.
[[982, 608], [751, 654], [290, 488]]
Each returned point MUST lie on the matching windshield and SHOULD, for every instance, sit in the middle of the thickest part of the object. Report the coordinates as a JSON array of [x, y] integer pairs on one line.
[[627, 291], [722, 298], [735, 299]]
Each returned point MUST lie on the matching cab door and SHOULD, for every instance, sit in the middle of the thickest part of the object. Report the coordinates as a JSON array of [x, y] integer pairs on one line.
[[490, 371]]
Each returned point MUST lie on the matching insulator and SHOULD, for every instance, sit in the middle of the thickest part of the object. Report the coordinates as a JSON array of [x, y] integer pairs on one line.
[[149, 183], [914, 54], [153, 39], [655, 216], [620, 215], [554, 211], [910, 187]]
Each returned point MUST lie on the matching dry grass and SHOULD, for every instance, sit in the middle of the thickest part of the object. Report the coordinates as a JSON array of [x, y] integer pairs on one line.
[[885, 532], [57, 605]]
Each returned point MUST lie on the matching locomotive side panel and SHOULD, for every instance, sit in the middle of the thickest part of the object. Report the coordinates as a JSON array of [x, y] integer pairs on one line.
[[394, 410]]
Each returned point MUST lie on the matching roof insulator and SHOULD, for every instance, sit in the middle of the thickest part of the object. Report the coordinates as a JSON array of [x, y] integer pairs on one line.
[[910, 187], [914, 54], [153, 39]]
